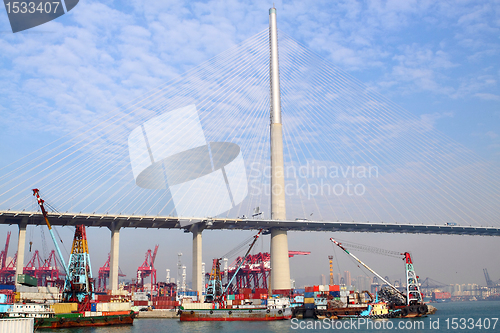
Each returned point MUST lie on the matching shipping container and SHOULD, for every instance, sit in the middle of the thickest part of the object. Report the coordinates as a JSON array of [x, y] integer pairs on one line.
[[10, 287], [316, 288], [308, 289], [17, 325], [309, 306], [441, 295], [309, 300], [334, 287], [309, 294], [64, 307], [27, 280]]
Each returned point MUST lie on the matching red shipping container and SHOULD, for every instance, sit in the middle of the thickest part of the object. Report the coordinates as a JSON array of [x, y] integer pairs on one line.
[[309, 289], [140, 303], [316, 288], [283, 292], [335, 287]]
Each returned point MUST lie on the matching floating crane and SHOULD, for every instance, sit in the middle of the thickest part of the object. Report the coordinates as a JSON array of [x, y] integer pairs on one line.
[[413, 296], [78, 286]]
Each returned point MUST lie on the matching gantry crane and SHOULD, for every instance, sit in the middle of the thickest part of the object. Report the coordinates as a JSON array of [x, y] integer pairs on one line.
[[104, 275], [147, 269]]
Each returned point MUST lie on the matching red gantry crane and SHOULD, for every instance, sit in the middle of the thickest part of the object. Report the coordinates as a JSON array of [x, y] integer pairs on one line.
[[147, 269], [46, 271], [104, 275], [254, 273], [7, 269]]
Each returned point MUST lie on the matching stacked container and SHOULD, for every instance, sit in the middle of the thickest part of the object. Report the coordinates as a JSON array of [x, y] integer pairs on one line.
[[309, 298]]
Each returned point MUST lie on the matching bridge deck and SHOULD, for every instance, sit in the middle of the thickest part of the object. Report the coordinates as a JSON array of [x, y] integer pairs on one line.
[[169, 222]]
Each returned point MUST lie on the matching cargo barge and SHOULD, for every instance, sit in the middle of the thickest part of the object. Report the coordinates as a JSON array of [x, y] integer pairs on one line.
[[86, 319], [238, 314]]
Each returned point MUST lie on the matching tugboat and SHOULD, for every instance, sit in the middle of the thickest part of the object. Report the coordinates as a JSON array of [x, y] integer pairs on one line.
[[414, 307], [216, 307]]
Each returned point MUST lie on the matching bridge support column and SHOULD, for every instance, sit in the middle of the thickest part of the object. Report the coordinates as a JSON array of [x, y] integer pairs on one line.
[[280, 267], [197, 259], [21, 245], [114, 257]]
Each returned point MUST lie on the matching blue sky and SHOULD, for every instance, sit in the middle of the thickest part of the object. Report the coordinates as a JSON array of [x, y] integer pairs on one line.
[[438, 60]]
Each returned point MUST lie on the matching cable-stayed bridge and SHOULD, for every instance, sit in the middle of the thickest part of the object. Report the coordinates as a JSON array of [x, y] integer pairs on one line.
[[194, 154], [172, 222]]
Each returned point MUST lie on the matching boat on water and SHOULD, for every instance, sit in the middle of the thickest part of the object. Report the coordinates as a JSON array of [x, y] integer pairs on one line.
[[218, 308], [77, 309], [45, 316], [79, 319], [276, 309], [412, 304]]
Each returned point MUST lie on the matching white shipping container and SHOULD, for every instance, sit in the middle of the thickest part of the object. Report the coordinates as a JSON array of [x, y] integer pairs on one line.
[[119, 306], [321, 288], [26, 289], [102, 307], [18, 325]]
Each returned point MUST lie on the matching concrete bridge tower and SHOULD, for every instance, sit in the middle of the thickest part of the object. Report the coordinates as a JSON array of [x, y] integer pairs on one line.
[[280, 267]]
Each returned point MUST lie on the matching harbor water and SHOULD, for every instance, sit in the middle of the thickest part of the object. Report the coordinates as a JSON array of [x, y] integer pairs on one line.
[[450, 317]]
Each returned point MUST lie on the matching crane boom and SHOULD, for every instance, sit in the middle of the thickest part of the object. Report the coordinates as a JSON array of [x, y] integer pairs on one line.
[[242, 261], [368, 268], [44, 213]]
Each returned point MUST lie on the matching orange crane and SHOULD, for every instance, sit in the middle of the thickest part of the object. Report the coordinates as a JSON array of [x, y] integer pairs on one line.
[[147, 269]]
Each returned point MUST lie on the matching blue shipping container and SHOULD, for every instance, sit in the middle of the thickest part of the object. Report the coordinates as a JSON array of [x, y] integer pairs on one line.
[[93, 307], [7, 287], [335, 293], [309, 306], [309, 294]]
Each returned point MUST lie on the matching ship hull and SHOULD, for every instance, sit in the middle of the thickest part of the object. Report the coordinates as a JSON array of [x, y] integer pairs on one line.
[[61, 321], [261, 314]]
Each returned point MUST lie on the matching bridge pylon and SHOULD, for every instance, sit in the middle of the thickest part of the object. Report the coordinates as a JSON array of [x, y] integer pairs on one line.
[[280, 266]]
